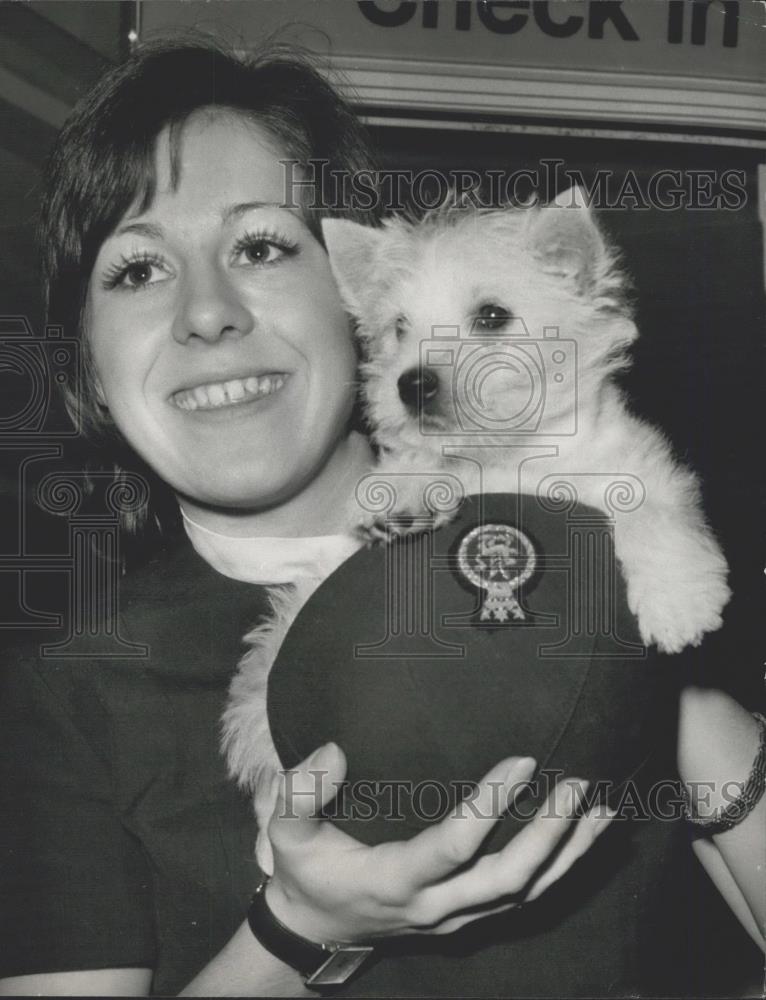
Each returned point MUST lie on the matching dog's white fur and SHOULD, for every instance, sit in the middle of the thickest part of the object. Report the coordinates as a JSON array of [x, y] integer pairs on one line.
[[550, 267], [250, 753]]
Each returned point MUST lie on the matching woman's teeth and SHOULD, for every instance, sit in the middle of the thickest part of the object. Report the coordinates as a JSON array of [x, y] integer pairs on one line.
[[237, 390]]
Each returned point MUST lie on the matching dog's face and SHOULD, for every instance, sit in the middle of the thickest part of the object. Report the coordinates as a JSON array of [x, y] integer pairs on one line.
[[488, 324]]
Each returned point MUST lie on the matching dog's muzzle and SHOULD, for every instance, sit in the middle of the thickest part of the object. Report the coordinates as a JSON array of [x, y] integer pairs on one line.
[[418, 387]]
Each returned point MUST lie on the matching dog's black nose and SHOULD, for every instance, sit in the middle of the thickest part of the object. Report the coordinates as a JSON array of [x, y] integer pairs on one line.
[[418, 387]]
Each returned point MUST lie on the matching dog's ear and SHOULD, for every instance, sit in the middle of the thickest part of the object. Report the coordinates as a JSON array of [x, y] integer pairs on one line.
[[565, 236], [353, 252]]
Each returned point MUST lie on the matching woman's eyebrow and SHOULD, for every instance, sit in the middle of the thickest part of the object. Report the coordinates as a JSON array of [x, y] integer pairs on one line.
[[155, 231], [240, 209], [142, 229]]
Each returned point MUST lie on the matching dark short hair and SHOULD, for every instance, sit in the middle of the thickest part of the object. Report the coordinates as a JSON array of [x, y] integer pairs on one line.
[[103, 160]]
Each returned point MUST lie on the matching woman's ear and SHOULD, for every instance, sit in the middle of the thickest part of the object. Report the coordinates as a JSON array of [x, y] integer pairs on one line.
[[353, 251]]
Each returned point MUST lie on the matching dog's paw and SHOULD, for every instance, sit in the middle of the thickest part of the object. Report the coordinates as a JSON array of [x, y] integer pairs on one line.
[[384, 530], [676, 604], [372, 532]]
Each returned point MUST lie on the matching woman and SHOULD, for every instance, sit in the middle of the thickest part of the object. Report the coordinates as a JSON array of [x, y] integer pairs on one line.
[[217, 351], [131, 855]]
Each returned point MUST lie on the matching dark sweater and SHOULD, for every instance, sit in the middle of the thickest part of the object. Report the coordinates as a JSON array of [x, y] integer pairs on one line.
[[123, 843]]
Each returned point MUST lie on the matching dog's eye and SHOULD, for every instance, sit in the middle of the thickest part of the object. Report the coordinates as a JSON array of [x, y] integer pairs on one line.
[[400, 326], [491, 317]]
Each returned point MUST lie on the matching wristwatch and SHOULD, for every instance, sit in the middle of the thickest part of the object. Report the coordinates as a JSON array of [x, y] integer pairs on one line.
[[323, 966]]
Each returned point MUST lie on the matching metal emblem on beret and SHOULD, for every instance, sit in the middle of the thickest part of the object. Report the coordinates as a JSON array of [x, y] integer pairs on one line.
[[499, 559]]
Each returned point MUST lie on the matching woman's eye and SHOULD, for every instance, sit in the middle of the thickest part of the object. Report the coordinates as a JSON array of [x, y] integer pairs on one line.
[[260, 250], [139, 274], [136, 273], [491, 317]]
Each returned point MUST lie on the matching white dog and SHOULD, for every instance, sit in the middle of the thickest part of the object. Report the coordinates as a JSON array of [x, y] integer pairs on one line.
[[491, 338]]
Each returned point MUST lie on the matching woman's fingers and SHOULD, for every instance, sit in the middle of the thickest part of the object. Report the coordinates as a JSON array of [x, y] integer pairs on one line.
[[453, 924], [302, 792], [585, 834], [587, 830], [438, 851], [330, 884], [507, 872], [533, 844]]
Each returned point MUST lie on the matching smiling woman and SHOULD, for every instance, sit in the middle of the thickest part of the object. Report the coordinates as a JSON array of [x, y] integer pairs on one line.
[[218, 337], [167, 244]]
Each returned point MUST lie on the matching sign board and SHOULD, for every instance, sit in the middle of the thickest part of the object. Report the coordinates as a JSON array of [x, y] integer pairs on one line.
[[676, 63]]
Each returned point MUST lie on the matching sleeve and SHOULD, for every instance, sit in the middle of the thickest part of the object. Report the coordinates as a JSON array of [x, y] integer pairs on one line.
[[75, 884]]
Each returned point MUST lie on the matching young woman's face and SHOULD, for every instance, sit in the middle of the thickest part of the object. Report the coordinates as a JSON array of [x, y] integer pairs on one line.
[[218, 337]]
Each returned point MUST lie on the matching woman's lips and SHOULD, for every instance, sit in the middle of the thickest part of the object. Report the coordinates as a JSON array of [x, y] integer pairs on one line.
[[215, 395]]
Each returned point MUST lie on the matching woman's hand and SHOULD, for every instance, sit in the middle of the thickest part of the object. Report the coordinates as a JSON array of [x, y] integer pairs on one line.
[[327, 886]]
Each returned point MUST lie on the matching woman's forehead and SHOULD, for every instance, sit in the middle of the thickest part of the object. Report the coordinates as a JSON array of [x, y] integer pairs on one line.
[[216, 149]]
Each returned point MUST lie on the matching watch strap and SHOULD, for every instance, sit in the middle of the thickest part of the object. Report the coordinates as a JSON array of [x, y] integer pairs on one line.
[[323, 966]]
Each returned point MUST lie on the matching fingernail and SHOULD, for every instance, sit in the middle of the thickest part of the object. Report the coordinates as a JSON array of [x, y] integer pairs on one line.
[[522, 769], [316, 755], [600, 819]]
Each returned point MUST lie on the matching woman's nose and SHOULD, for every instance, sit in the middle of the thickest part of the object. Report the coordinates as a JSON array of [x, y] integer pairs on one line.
[[211, 308]]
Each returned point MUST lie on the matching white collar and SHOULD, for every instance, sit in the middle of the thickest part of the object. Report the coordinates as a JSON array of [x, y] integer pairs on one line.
[[270, 560]]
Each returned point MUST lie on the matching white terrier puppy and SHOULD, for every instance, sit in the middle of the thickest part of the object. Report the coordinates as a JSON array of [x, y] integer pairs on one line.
[[490, 339]]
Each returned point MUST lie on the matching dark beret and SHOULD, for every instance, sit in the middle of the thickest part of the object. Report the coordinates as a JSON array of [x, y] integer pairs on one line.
[[507, 632]]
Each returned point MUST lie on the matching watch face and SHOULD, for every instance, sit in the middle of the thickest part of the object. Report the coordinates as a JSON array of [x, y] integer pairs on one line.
[[340, 966]]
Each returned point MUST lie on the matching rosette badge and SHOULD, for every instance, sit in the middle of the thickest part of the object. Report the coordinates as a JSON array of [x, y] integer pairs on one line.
[[498, 559]]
